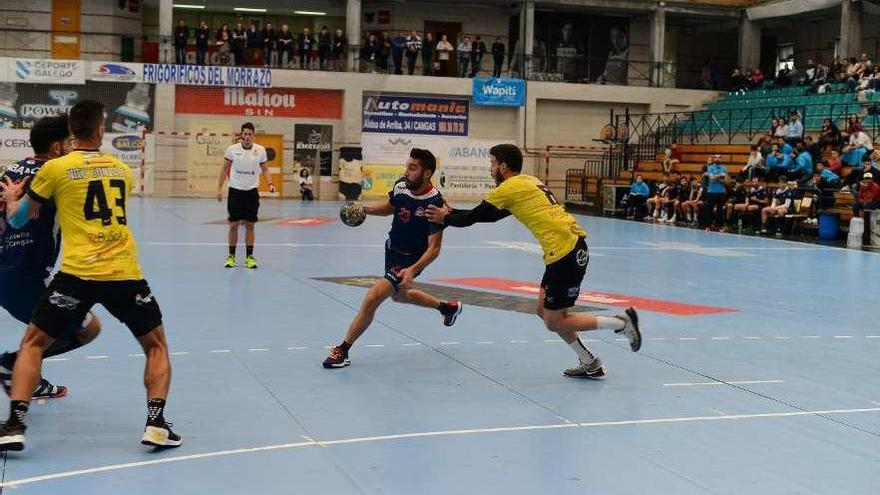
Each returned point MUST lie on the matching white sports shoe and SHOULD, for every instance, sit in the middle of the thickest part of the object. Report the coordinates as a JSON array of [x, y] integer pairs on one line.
[[584, 370], [631, 328]]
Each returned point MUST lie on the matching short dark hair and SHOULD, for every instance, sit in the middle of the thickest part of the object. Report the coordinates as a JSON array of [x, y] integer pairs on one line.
[[426, 159], [85, 118], [508, 154], [49, 130], [248, 125]]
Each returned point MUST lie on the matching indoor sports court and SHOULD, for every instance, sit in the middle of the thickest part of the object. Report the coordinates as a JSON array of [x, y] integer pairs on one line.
[[757, 372]]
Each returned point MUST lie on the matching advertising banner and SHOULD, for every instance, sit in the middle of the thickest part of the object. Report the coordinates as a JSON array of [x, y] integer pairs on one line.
[[204, 157], [379, 178], [15, 145], [43, 71], [313, 148], [394, 114], [489, 91], [277, 102], [200, 75], [115, 71]]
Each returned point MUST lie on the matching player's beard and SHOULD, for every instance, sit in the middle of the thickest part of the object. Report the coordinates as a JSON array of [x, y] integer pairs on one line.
[[416, 185], [498, 177]]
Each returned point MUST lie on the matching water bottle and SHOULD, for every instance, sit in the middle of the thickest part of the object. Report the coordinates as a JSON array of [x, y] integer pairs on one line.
[[739, 226]]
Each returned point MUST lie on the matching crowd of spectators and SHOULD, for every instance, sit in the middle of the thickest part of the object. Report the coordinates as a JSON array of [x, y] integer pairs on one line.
[[857, 74]]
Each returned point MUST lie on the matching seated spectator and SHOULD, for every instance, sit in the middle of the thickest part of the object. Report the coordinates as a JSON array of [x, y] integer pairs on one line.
[[777, 164], [757, 78], [673, 157], [655, 201], [684, 192], [669, 206], [829, 135], [765, 145], [754, 167], [781, 131], [783, 204], [813, 149], [834, 163], [809, 73], [802, 168], [637, 198], [757, 198], [795, 130], [859, 145], [852, 124], [738, 81], [716, 193], [852, 74], [825, 178], [691, 207], [737, 201], [306, 185], [868, 197]]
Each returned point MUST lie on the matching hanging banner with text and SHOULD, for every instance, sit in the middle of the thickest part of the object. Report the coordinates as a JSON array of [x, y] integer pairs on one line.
[[496, 92], [200, 75], [393, 114], [275, 102], [313, 148], [43, 71]]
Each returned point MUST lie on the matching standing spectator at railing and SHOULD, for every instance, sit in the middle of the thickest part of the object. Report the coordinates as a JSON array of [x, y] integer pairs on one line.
[[413, 48], [754, 167], [716, 193], [478, 49], [398, 46], [181, 37], [829, 135], [464, 56], [325, 47], [444, 48], [868, 196], [270, 39], [372, 52], [497, 57], [306, 44], [286, 57], [340, 46], [428, 45], [254, 43], [385, 53], [202, 35], [795, 130], [224, 44], [239, 40], [673, 157], [637, 198]]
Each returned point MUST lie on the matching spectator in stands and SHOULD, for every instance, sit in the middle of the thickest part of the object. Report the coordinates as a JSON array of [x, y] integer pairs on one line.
[[254, 43], [387, 41], [757, 198], [795, 130], [813, 149], [413, 48], [202, 35], [829, 135], [706, 75], [737, 201], [783, 204], [684, 192], [444, 48], [825, 178], [716, 193], [809, 73], [853, 74], [428, 46], [340, 47], [834, 162], [836, 66], [478, 50], [802, 168], [223, 40], [325, 47], [754, 166], [306, 185], [765, 145], [656, 201], [636, 199], [853, 124], [270, 40], [239, 41], [738, 81], [669, 203], [868, 196], [781, 130], [673, 157], [464, 56], [372, 52], [398, 46], [285, 47], [859, 145], [306, 45], [777, 164], [691, 208], [497, 57], [757, 78], [181, 37]]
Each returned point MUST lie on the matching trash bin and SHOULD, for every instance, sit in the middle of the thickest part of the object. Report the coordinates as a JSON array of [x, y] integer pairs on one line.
[[829, 225], [874, 224]]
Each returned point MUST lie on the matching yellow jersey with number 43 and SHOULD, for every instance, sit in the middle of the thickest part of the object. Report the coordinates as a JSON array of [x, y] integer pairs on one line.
[[90, 190], [534, 205]]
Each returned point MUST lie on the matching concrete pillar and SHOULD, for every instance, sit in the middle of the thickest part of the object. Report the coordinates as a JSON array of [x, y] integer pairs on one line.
[[166, 31], [658, 46], [527, 42], [850, 28], [749, 44], [353, 33]]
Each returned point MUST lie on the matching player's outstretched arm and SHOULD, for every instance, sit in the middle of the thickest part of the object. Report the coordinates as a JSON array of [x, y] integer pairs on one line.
[[379, 209], [484, 212]]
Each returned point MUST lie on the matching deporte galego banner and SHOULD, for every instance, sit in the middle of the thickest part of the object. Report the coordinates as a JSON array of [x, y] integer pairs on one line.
[[394, 114]]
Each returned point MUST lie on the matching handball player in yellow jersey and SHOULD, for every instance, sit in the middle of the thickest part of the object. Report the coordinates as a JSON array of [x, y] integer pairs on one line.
[[565, 254]]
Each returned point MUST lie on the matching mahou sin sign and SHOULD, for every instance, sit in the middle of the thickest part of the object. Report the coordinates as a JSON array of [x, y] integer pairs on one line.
[[274, 102]]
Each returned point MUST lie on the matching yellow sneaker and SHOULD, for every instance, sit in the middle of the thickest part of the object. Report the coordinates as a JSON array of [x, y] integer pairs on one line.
[[230, 261], [250, 262]]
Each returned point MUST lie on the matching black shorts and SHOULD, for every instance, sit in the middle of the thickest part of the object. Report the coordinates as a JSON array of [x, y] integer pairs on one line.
[[395, 261], [243, 205], [562, 278], [66, 301], [351, 190]]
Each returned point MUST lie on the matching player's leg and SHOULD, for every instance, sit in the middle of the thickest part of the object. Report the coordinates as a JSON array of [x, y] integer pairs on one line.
[[250, 216], [378, 293], [233, 242], [249, 238], [235, 209], [448, 309]]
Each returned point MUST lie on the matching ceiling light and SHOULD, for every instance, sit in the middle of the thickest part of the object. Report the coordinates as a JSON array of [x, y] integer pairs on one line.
[[188, 6], [308, 12], [248, 9]]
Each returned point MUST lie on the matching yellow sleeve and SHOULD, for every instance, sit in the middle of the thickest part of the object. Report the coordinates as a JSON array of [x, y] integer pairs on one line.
[[43, 185], [500, 196]]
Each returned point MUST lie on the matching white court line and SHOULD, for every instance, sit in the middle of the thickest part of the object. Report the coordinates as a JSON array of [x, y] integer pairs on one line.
[[180, 353], [485, 342], [720, 338], [297, 348], [140, 354], [218, 351], [872, 336], [55, 359], [680, 338], [752, 338], [97, 357], [375, 345], [411, 344], [519, 341], [811, 336], [259, 349], [736, 382], [450, 343], [427, 434], [552, 341], [843, 336], [781, 337], [655, 338]]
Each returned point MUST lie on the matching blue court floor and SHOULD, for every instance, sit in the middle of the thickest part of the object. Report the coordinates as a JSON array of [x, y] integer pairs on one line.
[[758, 375]]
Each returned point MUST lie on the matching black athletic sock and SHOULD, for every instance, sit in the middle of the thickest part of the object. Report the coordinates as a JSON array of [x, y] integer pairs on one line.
[[231, 250], [345, 346], [250, 250], [7, 360], [441, 307], [155, 411], [18, 410]]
